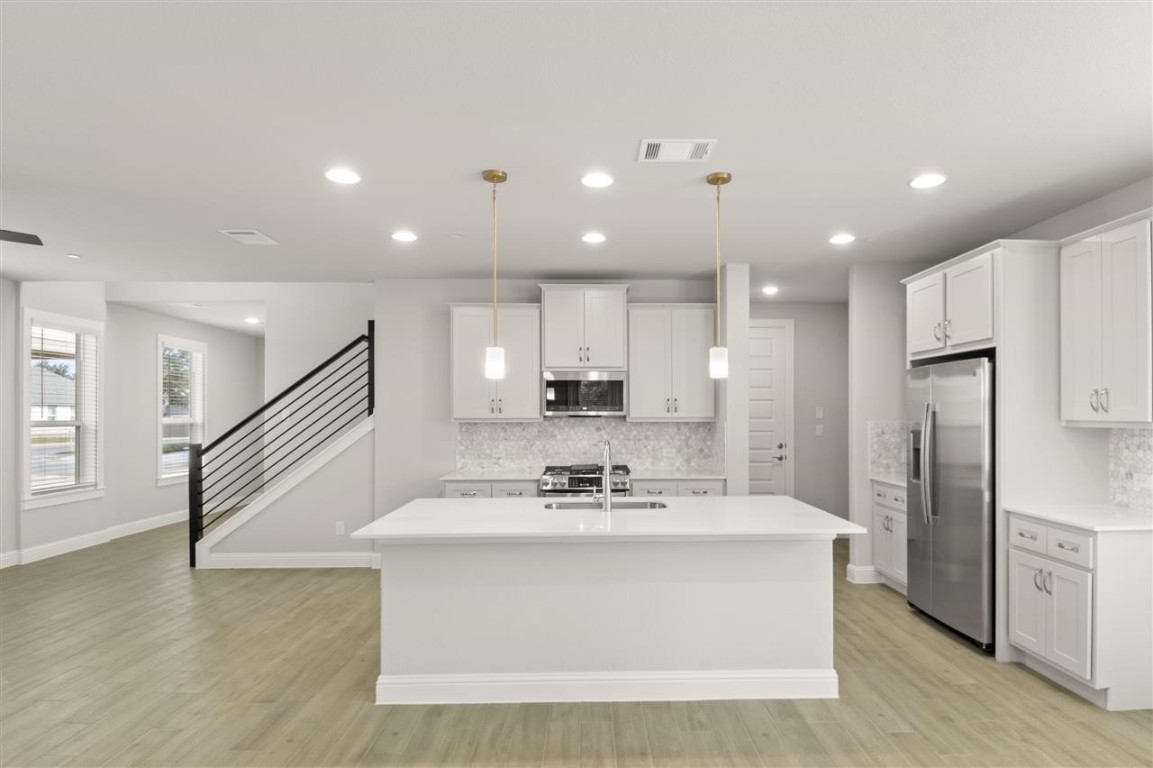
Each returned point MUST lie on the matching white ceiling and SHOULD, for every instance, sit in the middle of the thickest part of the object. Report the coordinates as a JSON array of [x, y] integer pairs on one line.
[[132, 132], [221, 314]]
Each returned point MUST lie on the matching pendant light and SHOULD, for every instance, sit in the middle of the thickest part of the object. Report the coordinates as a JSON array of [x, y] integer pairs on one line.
[[718, 355], [494, 355]]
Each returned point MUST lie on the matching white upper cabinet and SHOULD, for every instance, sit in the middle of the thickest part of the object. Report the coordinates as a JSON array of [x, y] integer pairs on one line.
[[516, 397], [584, 326], [669, 363], [951, 310], [1106, 328]]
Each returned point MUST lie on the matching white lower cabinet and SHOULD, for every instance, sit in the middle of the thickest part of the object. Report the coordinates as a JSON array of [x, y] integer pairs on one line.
[[506, 489], [1051, 611], [890, 534], [650, 488], [1081, 607]]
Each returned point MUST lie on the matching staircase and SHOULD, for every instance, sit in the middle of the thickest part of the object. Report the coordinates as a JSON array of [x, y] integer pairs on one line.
[[260, 456]]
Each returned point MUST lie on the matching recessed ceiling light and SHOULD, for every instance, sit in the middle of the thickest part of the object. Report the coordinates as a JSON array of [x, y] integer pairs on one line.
[[342, 175], [403, 236], [928, 181], [73, 255], [597, 180], [593, 237], [770, 290], [842, 238], [252, 320]]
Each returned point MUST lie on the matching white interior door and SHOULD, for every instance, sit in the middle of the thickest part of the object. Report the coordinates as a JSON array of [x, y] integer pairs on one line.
[[771, 407]]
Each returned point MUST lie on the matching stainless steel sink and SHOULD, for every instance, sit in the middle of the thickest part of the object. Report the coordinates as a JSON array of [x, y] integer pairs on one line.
[[596, 505]]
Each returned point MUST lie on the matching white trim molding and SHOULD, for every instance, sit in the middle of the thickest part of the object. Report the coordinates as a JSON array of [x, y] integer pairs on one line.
[[64, 546], [12, 557], [863, 574], [674, 685]]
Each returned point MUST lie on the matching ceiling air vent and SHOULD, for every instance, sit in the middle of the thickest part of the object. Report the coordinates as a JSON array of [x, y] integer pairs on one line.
[[249, 236], [675, 150]]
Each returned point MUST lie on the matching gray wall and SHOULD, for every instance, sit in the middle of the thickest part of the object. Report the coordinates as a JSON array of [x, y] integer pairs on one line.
[[821, 378], [130, 407], [415, 434], [1114, 205], [10, 369]]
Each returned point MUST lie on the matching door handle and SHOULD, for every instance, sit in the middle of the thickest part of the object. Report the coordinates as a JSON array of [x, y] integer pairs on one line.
[[926, 477], [1037, 583], [1094, 400], [1105, 399], [779, 458]]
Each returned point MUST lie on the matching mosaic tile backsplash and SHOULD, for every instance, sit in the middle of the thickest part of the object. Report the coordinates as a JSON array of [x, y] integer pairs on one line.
[[887, 447], [686, 447], [1131, 467]]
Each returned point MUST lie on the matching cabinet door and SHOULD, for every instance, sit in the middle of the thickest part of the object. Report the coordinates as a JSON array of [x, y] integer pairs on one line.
[[882, 542], [1070, 618], [564, 318], [925, 314], [1027, 602], [900, 545], [473, 396], [519, 392], [694, 393], [604, 328], [1080, 329], [650, 333], [1126, 383], [969, 301]]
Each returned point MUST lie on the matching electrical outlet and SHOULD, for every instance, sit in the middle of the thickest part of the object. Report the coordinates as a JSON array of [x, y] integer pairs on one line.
[[820, 412], [820, 430], [339, 527]]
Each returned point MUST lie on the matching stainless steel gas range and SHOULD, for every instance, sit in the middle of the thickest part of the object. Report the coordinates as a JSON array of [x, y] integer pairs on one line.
[[584, 480]]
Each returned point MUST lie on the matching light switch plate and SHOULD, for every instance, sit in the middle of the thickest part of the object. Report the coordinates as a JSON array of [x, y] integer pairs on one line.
[[820, 412], [820, 430]]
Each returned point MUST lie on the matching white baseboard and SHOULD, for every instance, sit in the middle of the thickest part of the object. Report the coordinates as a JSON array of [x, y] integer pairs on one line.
[[688, 685], [863, 574], [64, 546], [209, 560]]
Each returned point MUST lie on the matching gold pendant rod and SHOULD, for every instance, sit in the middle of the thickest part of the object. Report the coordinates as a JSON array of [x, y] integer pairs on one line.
[[494, 240], [718, 312]]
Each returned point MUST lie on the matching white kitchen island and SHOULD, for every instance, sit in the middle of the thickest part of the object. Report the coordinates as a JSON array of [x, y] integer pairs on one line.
[[502, 600]]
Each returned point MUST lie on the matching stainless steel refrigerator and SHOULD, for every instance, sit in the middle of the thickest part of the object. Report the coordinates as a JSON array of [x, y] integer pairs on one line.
[[949, 408]]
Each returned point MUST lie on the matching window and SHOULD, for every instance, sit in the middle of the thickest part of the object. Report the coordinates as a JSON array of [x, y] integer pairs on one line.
[[63, 405], [181, 403]]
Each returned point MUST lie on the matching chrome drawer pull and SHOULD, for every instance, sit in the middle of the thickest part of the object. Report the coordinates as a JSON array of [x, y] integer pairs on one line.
[[651, 492], [898, 499], [515, 493], [700, 493], [1029, 536], [468, 493], [1068, 547]]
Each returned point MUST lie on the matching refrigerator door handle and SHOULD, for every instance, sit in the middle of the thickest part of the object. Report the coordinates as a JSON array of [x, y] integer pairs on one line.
[[926, 473]]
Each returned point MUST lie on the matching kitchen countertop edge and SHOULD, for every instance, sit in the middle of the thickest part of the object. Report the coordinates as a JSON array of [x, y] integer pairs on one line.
[[898, 480], [1100, 518]]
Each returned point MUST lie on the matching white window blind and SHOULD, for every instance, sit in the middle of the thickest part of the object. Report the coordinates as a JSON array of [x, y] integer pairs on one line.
[[63, 403], [182, 402]]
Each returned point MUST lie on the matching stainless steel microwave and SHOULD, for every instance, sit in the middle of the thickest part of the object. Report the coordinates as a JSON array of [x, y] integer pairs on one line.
[[584, 393]]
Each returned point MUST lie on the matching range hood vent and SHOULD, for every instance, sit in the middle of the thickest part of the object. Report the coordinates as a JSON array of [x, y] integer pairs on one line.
[[249, 236], [675, 150]]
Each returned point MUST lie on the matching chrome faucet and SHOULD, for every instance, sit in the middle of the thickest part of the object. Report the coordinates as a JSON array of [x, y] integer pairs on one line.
[[607, 477]]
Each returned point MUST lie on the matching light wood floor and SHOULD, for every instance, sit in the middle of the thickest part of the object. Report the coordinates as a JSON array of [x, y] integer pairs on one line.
[[120, 655]]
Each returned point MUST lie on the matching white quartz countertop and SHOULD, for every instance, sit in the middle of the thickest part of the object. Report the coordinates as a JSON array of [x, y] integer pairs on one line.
[[499, 475], [527, 521], [898, 480], [1089, 517]]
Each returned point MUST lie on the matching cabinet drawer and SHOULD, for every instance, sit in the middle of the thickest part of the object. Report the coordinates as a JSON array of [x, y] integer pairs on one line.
[[887, 496], [467, 490], [701, 488], [514, 490], [1027, 534], [654, 488], [1072, 547], [898, 498]]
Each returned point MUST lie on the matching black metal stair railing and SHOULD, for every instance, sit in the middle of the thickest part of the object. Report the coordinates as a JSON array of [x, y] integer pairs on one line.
[[229, 472]]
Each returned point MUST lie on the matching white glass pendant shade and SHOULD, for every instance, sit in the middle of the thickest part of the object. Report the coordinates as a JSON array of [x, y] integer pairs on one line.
[[494, 362], [718, 362]]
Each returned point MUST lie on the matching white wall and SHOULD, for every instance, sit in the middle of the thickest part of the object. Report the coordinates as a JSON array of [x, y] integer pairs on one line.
[[1135, 197], [234, 390], [10, 370], [876, 379], [415, 435], [821, 379]]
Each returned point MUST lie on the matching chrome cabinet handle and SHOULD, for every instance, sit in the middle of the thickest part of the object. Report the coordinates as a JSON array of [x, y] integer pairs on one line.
[[937, 332], [1036, 583], [676, 405], [700, 493], [652, 492], [1027, 535], [898, 499], [1094, 400], [492, 406], [1048, 582], [514, 493], [668, 405], [468, 493], [1105, 399], [879, 495], [946, 329], [500, 406], [1068, 547]]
